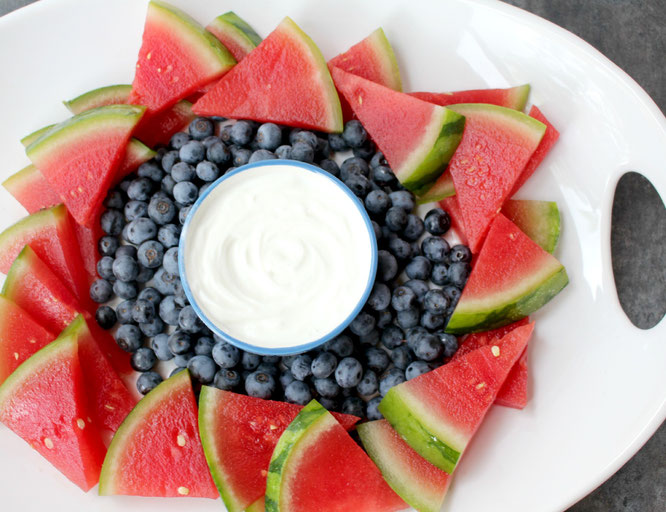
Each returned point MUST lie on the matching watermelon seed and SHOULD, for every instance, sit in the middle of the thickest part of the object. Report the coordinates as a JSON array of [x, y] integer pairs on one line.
[[264, 473], [150, 54], [184, 491], [16, 355], [109, 407], [48, 443], [272, 427], [33, 341], [80, 423], [180, 440], [495, 350], [481, 385]]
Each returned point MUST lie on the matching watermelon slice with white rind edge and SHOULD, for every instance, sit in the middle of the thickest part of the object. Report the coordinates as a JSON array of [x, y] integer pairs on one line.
[[235, 34], [100, 97], [512, 97], [540, 220]]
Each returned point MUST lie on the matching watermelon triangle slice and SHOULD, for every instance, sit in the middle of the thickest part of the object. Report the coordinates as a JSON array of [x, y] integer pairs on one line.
[[416, 137], [32, 137], [20, 337], [158, 128], [414, 479], [30, 188], [284, 80], [239, 434], [100, 97], [157, 450], [235, 34], [512, 97], [540, 220], [439, 412], [316, 465], [177, 57], [44, 403], [511, 279], [80, 156]]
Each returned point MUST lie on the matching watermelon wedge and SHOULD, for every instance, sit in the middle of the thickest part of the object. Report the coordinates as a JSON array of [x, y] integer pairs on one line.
[[496, 146], [88, 239], [44, 403], [513, 392], [257, 506], [80, 156], [547, 142], [437, 191], [157, 451], [20, 337], [50, 234], [540, 220], [450, 205], [414, 479], [438, 412], [284, 80], [239, 434], [30, 188], [32, 137], [427, 136], [235, 34], [177, 57], [158, 128], [109, 95], [316, 465], [511, 279], [513, 97]]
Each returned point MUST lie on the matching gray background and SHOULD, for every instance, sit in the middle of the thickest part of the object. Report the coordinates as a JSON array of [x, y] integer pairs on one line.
[[632, 33]]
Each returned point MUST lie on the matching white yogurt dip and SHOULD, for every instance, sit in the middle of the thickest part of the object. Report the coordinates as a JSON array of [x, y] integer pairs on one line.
[[277, 256]]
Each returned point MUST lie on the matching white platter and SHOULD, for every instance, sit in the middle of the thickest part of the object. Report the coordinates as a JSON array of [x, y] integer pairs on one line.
[[598, 386]]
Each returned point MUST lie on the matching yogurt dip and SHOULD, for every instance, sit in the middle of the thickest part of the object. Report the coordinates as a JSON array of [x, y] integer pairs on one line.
[[278, 255]]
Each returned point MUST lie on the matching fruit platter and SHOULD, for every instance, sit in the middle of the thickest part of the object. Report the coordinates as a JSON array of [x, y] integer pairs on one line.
[[270, 257]]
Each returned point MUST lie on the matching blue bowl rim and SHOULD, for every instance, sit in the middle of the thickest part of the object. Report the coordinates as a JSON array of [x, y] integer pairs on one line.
[[296, 349]]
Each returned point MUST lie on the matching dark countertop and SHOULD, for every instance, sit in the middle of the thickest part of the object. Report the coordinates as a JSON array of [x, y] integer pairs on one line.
[[632, 33]]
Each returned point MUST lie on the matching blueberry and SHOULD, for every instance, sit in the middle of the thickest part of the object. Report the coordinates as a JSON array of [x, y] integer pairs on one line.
[[106, 317], [225, 133], [377, 229], [362, 324], [226, 355], [391, 378], [260, 385], [178, 140], [378, 160], [354, 406], [143, 359], [189, 321], [460, 253], [241, 133], [297, 392], [439, 274], [125, 268], [437, 221], [436, 302], [192, 152], [150, 254], [124, 185], [218, 153], [147, 382], [168, 160], [336, 142], [164, 282], [101, 291], [135, 209], [200, 128], [160, 346], [348, 373], [377, 359], [112, 222], [143, 311], [185, 192], [204, 346], [141, 229], [387, 266], [128, 338], [105, 268], [369, 383], [372, 338], [241, 156], [452, 293], [396, 219], [414, 334], [301, 367], [209, 141], [167, 184], [182, 172], [177, 369], [250, 361], [145, 274], [107, 245], [365, 151], [152, 328], [125, 290], [400, 249], [403, 298], [414, 228], [269, 136], [419, 287], [327, 387], [168, 311], [330, 167], [408, 318], [183, 359], [180, 297], [372, 409], [358, 184], [168, 235], [150, 170], [268, 368], [180, 343], [323, 365], [354, 165], [302, 151], [183, 213], [392, 337], [226, 379], [354, 134], [261, 154], [377, 202], [283, 152], [170, 261], [341, 345], [161, 210], [436, 249], [124, 312], [299, 135], [286, 378], [140, 189], [114, 200], [449, 342], [380, 297], [383, 175], [416, 369], [458, 273], [428, 347], [384, 319], [202, 368]]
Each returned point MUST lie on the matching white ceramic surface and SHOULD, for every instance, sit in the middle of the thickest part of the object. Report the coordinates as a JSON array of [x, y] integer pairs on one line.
[[597, 386]]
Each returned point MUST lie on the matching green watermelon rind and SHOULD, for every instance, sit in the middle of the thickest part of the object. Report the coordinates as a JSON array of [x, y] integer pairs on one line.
[[433, 192], [510, 305], [257, 506], [17, 270], [390, 69], [207, 410], [401, 479], [108, 95], [138, 151], [210, 50], [237, 28], [309, 422], [20, 178], [32, 137], [427, 161], [429, 437], [519, 96], [542, 224], [133, 421]]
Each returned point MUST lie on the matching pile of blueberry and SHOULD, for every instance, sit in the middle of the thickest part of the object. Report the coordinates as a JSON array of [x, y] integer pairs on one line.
[[398, 335]]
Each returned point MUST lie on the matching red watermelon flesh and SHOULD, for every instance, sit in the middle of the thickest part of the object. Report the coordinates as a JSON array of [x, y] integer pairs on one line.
[[513, 97], [20, 337], [157, 450], [176, 58], [450, 205], [239, 434], [50, 233], [283, 80], [549, 139], [30, 188], [513, 392], [44, 402], [497, 144], [88, 239], [158, 128]]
